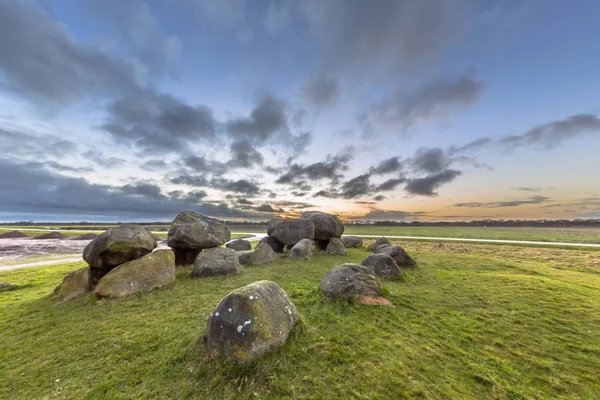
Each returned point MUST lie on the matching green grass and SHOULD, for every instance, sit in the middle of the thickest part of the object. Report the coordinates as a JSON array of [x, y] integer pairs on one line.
[[161, 234], [472, 322]]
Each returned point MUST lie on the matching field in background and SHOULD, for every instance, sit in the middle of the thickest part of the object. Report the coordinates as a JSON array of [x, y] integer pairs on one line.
[[472, 322], [99, 229]]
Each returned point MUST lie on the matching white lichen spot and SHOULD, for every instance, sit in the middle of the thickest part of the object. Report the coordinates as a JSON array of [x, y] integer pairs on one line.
[[239, 328], [229, 310], [216, 314], [251, 297]]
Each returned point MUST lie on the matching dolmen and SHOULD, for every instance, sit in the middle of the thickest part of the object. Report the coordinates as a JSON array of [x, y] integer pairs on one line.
[[121, 262]]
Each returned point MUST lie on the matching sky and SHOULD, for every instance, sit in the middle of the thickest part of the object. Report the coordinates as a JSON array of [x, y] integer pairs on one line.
[[136, 110]]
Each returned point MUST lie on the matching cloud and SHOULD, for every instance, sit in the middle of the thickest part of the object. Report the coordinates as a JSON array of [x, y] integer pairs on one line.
[[244, 155], [322, 90], [98, 158], [356, 187], [512, 203], [430, 160], [43, 63], [426, 186], [236, 186], [391, 215], [390, 184], [20, 143], [332, 168], [527, 188], [153, 165], [157, 122], [379, 198], [545, 136], [387, 166]]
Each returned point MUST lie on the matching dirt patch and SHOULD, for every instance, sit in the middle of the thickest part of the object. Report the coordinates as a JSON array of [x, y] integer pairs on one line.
[[51, 235], [86, 236], [12, 235], [376, 301]]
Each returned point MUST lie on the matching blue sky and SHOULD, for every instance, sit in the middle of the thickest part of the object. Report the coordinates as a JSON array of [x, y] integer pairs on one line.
[[437, 109]]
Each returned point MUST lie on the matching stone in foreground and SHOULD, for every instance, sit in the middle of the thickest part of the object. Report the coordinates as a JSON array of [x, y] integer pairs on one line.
[[115, 247], [263, 254], [336, 247], [303, 250], [239, 245], [191, 231], [275, 244], [250, 322], [291, 231], [382, 265], [75, 285], [244, 256], [216, 261], [145, 274], [379, 248], [327, 226], [350, 281], [399, 255], [373, 245], [352, 241]]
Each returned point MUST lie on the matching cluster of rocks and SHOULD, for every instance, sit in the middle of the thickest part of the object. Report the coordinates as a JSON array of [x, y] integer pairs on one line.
[[121, 261]]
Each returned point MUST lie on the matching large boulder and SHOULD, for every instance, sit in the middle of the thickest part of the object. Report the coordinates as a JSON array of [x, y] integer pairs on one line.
[[190, 233], [352, 241], [327, 226], [263, 254], [275, 244], [373, 245], [336, 247], [303, 250], [216, 261], [115, 247], [75, 285], [239, 245], [350, 281], [382, 265], [381, 247], [145, 274], [399, 255], [291, 231], [250, 322]]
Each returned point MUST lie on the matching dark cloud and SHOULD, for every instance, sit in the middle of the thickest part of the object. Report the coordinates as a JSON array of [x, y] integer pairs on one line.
[[322, 90], [244, 155], [32, 145], [545, 136], [430, 160], [426, 186], [387, 166], [42, 62], [236, 186], [390, 184], [379, 198], [512, 203], [35, 190], [436, 100], [391, 215], [190, 180], [332, 168], [298, 194], [266, 120], [364, 203], [356, 187], [527, 189], [153, 165], [98, 158], [158, 122], [266, 208]]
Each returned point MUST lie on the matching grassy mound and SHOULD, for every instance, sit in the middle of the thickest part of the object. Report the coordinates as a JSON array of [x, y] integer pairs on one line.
[[51, 235], [471, 322], [86, 236], [12, 235]]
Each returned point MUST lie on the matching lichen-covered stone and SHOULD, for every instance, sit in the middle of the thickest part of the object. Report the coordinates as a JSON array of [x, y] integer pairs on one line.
[[263, 254], [191, 231], [327, 226], [117, 246], [275, 244], [250, 322], [216, 261], [76, 284], [399, 255], [381, 247], [382, 265], [291, 230], [352, 241], [303, 250], [239, 245], [153, 271], [336, 247], [350, 281], [373, 245], [244, 256]]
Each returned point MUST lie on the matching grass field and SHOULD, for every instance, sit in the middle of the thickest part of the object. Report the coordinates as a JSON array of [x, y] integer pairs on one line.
[[74, 233], [472, 322]]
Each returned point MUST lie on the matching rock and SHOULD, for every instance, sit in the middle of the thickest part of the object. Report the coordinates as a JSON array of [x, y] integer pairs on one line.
[[382, 265], [291, 231], [86, 236], [153, 271], [115, 247], [350, 281], [239, 245], [373, 245], [275, 244], [216, 261], [303, 250], [76, 284], [191, 231], [327, 226], [4, 286], [244, 256], [336, 247], [51, 235], [381, 247], [352, 241], [250, 322], [263, 254], [399, 255]]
